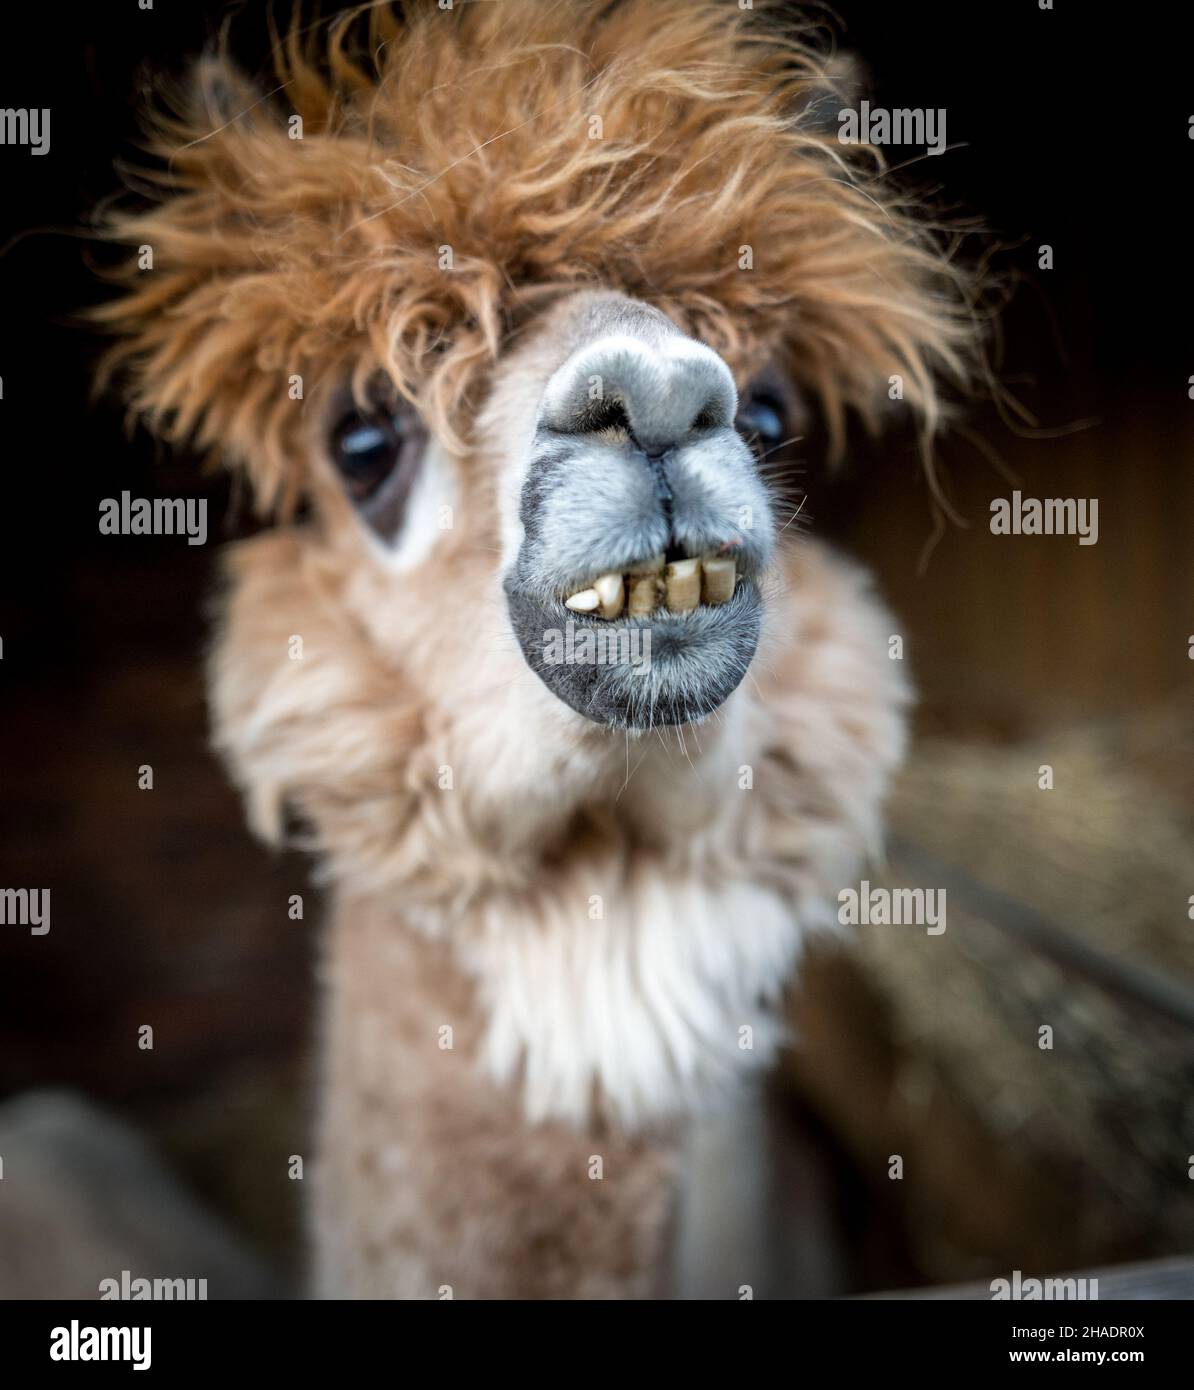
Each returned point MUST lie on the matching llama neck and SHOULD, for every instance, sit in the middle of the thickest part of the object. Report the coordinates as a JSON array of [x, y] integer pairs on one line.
[[625, 951]]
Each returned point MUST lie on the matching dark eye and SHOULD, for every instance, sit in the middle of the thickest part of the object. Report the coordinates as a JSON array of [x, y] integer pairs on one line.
[[366, 450], [761, 416], [378, 452]]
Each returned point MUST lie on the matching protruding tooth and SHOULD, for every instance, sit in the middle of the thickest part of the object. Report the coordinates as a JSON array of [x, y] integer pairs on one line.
[[652, 566], [717, 580], [609, 590], [585, 602], [683, 585], [646, 593]]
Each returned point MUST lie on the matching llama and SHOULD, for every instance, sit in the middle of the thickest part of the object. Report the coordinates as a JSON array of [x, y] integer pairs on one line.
[[515, 298]]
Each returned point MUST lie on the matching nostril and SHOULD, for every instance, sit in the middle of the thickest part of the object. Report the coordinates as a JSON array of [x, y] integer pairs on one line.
[[601, 414], [709, 417]]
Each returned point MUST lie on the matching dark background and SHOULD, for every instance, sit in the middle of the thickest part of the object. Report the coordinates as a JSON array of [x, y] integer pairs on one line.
[[1066, 127]]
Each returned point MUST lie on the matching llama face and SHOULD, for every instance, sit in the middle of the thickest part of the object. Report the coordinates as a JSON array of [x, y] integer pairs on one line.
[[616, 449]]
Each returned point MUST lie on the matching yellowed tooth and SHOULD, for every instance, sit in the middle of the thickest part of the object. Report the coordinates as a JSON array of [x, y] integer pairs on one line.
[[611, 593], [585, 602], [652, 566], [717, 580], [683, 585], [646, 594]]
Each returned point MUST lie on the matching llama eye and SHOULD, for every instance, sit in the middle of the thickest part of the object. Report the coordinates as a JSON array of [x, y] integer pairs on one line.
[[761, 417], [366, 450], [378, 452]]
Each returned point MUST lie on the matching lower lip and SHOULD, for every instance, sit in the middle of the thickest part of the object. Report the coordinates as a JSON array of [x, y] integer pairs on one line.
[[679, 681]]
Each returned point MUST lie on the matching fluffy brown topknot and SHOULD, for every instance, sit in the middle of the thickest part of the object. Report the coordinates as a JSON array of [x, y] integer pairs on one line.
[[458, 168]]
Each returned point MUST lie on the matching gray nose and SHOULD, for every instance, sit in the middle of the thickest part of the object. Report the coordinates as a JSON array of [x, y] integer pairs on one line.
[[668, 391]]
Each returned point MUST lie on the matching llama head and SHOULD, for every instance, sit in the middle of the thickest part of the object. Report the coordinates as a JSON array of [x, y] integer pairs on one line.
[[510, 295]]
